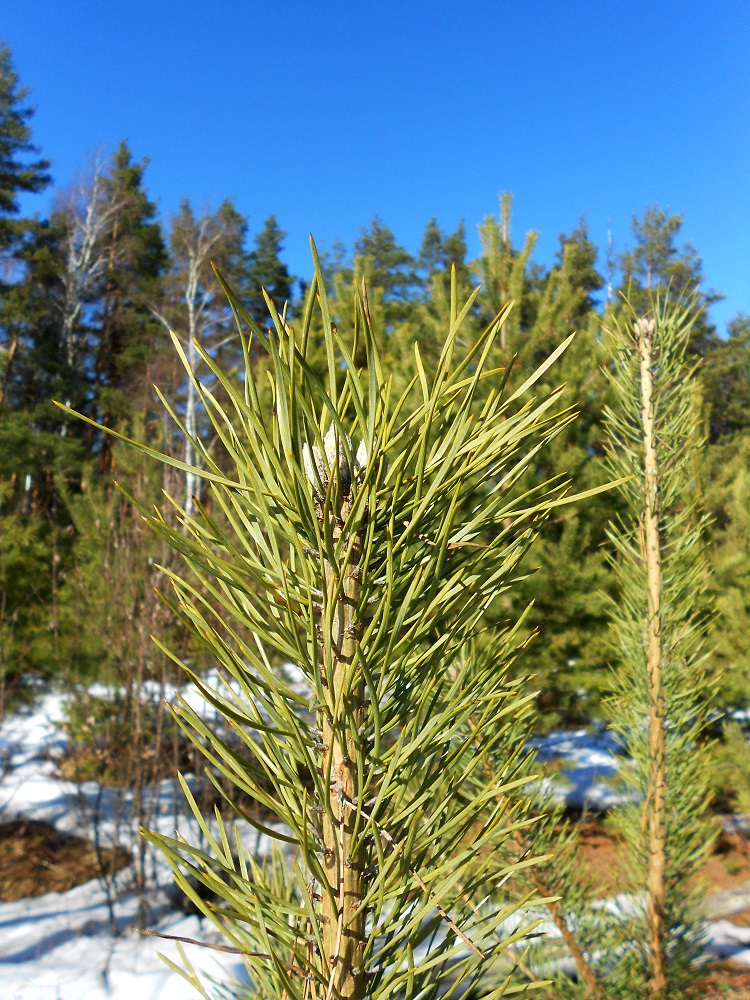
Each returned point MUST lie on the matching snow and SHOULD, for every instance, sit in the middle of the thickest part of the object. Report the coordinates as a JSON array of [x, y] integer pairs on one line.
[[728, 941], [590, 763], [60, 946]]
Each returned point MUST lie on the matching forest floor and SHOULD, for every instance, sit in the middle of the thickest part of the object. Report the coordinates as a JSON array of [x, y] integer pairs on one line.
[[68, 933]]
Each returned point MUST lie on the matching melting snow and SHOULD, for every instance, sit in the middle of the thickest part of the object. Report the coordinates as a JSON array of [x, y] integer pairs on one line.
[[61, 947]]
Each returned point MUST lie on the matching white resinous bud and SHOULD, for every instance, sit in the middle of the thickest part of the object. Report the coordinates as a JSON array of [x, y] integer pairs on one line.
[[336, 456], [645, 326], [314, 466], [318, 466]]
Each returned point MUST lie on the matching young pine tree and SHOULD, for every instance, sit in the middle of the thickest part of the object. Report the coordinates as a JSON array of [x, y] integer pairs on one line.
[[361, 536], [660, 621]]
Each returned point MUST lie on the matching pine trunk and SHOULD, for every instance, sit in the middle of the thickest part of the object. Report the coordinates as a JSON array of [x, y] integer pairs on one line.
[[344, 862], [655, 806]]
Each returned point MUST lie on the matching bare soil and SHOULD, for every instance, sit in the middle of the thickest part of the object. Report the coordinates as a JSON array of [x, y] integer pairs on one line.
[[35, 858], [723, 981], [728, 865]]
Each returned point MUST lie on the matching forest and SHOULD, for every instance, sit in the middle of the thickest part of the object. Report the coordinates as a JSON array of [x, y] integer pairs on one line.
[[109, 311], [90, 293]]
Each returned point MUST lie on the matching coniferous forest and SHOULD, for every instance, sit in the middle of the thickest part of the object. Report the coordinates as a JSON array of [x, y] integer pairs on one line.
[[122, 352]]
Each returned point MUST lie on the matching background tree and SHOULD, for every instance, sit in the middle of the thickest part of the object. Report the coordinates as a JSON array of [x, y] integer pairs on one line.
[[266, 270], [726, 381], [135, 257], [657, 260], [190, 306], [388, 268], [502, 270], [20, 171], [660, 623], [439, 252]]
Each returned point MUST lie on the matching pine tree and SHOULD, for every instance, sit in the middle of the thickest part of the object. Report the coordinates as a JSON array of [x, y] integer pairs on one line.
[[441, 251], [728, 500], [660, 705], [502, 270], [357, 563], [388, 268], [660, 622], [569, 590], [569, 292], [726, 381], [657, 260]]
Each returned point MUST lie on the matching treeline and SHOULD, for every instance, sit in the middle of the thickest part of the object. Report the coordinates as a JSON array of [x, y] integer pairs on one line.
[[88, 297]]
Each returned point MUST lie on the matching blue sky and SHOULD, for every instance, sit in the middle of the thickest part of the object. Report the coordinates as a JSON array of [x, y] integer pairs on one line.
[[327, 113]]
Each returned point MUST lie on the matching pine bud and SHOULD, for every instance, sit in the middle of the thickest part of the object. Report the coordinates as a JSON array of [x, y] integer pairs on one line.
[[336, 456], [645, 326], [318, 466], [314, 466]]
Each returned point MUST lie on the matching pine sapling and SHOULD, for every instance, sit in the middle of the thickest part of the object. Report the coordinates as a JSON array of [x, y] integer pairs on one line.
[[660, 620], [361, 535]]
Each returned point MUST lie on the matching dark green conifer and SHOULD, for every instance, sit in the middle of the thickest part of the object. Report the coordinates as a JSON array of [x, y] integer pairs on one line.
[[267, 271]]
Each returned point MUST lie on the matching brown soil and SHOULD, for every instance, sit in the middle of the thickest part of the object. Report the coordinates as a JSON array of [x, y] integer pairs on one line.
[[728, 865], [36, 858], [723, 981]]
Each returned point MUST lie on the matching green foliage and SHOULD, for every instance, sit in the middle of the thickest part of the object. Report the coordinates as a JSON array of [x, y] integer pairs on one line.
[[18, 174], [726, 380], [503, 271], [370, 568], [28, 633], [656, 260], [728, 499], [267, 272], [733, 766], [660, 621], [131, 246], [439, 252], [387, 266]]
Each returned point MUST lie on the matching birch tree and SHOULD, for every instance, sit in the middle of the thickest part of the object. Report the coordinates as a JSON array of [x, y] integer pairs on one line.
[[85, 213], [191, 307]]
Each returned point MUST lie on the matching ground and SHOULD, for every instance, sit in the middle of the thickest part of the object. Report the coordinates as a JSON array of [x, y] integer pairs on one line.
[[72, 936]]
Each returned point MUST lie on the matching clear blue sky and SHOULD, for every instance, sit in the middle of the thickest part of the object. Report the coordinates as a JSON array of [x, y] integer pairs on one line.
[[327, 113]]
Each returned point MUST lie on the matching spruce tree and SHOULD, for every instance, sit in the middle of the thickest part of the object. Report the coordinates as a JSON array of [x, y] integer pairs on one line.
[[20, 173], [266, 271], [134, 259]]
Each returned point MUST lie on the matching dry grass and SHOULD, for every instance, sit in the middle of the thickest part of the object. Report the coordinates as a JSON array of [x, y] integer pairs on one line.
[[35, 858]]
